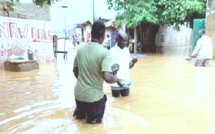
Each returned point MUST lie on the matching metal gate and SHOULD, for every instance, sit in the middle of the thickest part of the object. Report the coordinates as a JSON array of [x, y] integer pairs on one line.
[[197, 25]]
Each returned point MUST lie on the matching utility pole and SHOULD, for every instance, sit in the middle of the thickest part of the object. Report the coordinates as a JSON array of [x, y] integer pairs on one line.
[[93, 12], [64, 25]]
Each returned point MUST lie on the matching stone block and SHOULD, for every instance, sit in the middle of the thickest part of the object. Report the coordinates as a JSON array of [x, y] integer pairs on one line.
[[20, 66]]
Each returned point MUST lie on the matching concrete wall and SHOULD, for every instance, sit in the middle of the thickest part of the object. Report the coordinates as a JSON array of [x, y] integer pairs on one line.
[[210, 22], [27, 11], [175, 42], [1, 10], [31, 11], [2, 4], [180, 43]]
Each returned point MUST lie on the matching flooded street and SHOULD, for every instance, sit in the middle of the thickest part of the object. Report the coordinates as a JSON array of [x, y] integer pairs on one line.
[[168, 96]]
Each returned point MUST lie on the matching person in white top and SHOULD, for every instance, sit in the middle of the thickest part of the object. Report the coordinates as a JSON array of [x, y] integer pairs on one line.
[[108, 43], [121, 55], [203, 51]]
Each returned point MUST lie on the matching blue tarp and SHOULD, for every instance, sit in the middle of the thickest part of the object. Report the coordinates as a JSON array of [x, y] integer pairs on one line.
[[79, 25]]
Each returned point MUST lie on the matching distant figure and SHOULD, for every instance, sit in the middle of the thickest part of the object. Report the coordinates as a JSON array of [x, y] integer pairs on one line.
[[130, 45], [88, 37], [55, 42], [30, 54], [108, 42], [139, 47], [115, 35], [92, 66], [74, 40], [203, 51], [121, 55], [79, 39]]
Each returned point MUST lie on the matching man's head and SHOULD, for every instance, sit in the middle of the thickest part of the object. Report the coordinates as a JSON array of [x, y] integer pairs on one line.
[[122, 39], [201, 32], [98, 31]]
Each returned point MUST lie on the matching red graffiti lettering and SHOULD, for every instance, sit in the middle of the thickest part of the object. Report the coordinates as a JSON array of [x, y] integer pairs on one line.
[[23, 33], [33, 33], [40, 33], [13, 30], [4, 30]]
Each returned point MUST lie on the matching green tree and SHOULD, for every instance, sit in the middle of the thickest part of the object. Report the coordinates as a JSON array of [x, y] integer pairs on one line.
[[163, 12]]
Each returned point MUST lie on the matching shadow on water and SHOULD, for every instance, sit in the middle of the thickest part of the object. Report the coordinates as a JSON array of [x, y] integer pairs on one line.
[[168, 95]]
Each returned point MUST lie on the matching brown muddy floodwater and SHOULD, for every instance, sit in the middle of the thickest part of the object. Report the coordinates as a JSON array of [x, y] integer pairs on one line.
[[168, 96]]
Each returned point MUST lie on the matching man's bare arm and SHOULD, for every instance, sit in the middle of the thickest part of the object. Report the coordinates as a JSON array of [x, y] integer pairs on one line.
[[110, 78], [75, 71]]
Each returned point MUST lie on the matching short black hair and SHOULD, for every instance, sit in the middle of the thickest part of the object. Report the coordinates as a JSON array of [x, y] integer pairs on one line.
[[202, 31], [98, 29]]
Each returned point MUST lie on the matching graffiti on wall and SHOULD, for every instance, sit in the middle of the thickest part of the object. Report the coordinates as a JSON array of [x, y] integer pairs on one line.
[[18, 35]]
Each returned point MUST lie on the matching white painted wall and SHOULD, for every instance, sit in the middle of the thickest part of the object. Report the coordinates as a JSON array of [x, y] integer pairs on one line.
[[19, 35]]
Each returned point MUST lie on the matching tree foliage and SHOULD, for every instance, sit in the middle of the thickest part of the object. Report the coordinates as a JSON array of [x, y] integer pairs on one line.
[[163, 12]]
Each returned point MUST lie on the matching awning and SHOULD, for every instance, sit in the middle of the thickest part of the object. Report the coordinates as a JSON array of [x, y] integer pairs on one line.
[[78, 26], [82, 24]]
